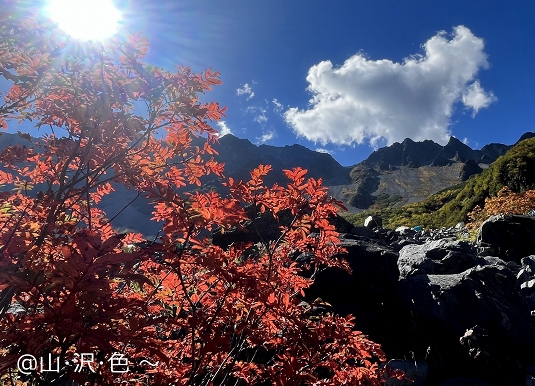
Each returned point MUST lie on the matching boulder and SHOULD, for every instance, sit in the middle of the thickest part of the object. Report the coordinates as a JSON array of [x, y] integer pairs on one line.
[[529, 262], [527, 272], [363, 231], [373, 222], [510, 237], [405, 231], [341, 224], [436, 257], [398, 245], [528, 287], [368, 292], [484, 296], [483, 309]]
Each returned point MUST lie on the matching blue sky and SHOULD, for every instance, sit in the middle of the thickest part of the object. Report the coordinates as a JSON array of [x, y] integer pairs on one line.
[[347, 76]]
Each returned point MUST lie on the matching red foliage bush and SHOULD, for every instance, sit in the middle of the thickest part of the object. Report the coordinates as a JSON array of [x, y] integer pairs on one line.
[[506, 202], [207, 315]]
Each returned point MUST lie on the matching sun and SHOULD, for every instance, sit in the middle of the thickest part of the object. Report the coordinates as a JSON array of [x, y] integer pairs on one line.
[[85, 19]]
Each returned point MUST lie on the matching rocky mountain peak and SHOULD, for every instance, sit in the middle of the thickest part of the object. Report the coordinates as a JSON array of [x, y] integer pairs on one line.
[[454, 151], [407, 153], [526, 135]]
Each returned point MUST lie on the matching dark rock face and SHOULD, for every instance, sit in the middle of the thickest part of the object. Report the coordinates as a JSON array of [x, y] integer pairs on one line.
[[486, 295], [464, 382], [489, 153], [366, 182], [483, 310], [416, 371], [363, 231], [367, 293], [469, 169], [417, 154], [526, 135], [454, 151], [510, 237], [240, 156], [407, 153]]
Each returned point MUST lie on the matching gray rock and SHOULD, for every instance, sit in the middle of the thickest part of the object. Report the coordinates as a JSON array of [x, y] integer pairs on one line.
[[400, 244], [16, 308], [492, 260], [405, 231], [523, 276], [485, 296], [436, 257], [527, 272], [513, 266], [528, 287], [529, 262]]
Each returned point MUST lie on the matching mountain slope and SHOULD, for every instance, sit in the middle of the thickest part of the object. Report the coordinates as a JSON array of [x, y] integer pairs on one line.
[[412, 171], [515, 169], [404, 173], [240, 156]]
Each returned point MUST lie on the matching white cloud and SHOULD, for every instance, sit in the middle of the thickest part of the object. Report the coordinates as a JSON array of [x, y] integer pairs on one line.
[[266, 137], [476, 98], [382, 101], [258, 112], [277, 108], [261, 118], [223, 128], [245, 90], [321, 150]]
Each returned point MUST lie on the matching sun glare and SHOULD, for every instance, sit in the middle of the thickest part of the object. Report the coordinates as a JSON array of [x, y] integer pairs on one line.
[[85, 19]]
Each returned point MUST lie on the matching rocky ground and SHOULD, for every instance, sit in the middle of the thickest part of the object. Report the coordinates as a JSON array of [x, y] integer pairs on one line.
[[451, 312]]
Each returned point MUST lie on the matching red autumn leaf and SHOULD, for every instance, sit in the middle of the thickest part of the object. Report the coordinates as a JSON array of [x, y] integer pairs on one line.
[[272, 298]]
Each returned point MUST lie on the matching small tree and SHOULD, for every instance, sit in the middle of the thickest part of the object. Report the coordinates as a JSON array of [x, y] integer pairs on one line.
[[71, 285], [506, 202]]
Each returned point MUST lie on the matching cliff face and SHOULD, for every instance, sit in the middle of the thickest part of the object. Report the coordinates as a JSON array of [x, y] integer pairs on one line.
[[408, 153]]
